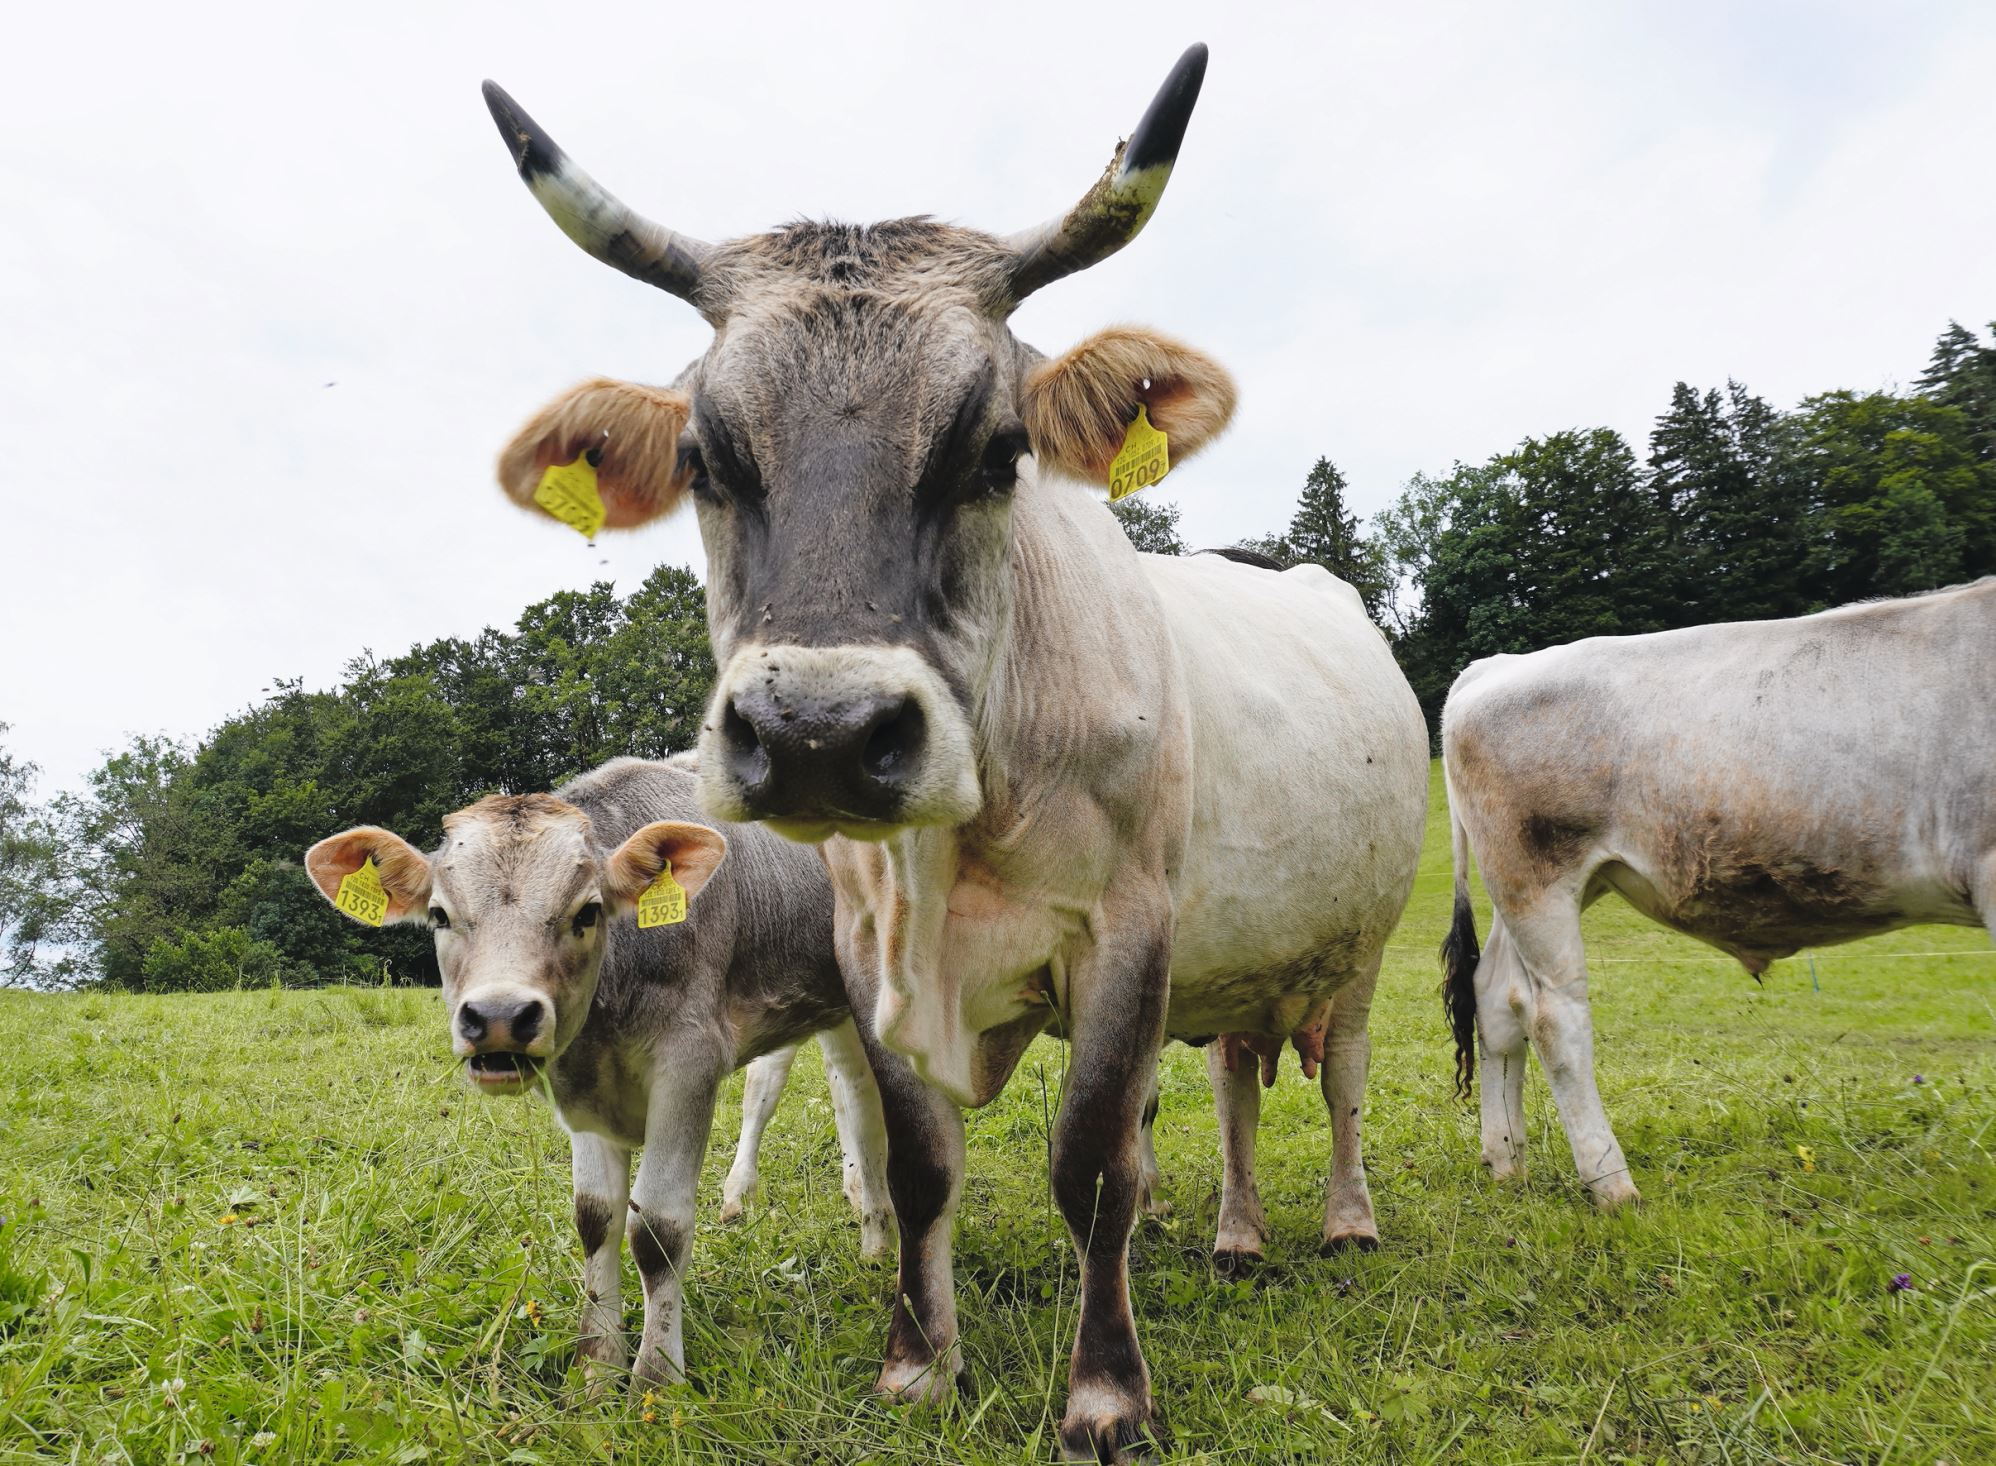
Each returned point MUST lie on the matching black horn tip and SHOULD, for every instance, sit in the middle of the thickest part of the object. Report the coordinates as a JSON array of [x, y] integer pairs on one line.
[[534, 152], [1157, 138]]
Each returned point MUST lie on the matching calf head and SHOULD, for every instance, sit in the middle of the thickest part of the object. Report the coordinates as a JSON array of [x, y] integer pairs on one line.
[[853, 440], [520, 895]]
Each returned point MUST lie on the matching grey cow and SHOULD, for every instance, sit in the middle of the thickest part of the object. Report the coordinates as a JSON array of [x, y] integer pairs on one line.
[[545, 975], [1762, 786]]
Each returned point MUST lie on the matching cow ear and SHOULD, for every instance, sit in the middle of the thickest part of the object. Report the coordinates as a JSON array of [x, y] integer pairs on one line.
[[633, 430], [694, 850], [404, 870], [1079, 406]]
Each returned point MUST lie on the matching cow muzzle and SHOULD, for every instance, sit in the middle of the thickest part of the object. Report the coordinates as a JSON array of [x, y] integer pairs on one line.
[[816, 741], [504, 1036]]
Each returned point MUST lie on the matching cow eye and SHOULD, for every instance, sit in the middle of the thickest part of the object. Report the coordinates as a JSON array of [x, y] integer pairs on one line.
[[693, 464], [586, 917], [999, 471], [439, 918]]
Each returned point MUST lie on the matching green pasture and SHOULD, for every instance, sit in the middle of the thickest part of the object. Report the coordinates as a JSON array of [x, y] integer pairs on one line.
[[272, 1226]]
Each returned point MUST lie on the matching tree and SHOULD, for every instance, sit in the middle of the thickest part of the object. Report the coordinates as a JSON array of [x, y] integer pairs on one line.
[[1961, 374], [1323, 531], [34, 912], [1152, 526]]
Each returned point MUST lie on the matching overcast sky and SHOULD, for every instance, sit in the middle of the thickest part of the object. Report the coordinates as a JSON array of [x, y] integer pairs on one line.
[[271, 296]]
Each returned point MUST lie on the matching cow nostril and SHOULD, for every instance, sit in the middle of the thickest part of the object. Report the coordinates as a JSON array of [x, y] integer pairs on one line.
[[471, 1022], [527, 1021], [746, 758], [892, 741]]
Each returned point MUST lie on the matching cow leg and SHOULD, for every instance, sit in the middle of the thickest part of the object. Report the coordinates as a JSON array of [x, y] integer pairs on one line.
[[602, 1191], [1154, 1205], [1562, 1029], [760, 1092], [1348, 1219], [1116, 1001], [661, 1209], [925, 1179], [862, 1135], [1503, 1009], [1243, 1228]]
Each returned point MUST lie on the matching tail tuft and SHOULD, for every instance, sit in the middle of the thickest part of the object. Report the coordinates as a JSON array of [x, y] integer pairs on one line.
[[1459, 958]]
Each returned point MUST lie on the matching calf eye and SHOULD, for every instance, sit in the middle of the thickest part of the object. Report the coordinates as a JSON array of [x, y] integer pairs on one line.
[[439, 919], [586, 917], [999, 470]]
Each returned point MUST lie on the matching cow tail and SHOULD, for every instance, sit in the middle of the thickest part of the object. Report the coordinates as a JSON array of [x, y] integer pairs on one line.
[[1460, 954]]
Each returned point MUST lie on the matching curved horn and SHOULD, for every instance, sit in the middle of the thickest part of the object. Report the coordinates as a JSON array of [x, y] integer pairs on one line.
[[590, 214], [1115, 210]]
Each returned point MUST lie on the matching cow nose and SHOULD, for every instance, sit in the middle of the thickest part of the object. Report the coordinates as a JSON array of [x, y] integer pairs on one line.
[[500, 1023], [850, 756]]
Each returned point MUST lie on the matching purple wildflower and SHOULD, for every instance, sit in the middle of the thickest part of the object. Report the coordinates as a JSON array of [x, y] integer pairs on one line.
[[1919, 1079], [1901, 1282]]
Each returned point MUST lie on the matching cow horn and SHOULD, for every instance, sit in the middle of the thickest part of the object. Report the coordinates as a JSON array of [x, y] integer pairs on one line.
[[1115, 210], [590, 214]]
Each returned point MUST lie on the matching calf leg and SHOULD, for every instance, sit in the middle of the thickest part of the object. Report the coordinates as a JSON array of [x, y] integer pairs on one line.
[[862, 1135], [1117, 1000], [760, 1092], [1348, 1220], [1562, 1029], [1154, 1205], [602, 1190], [1243, 1228], [1503, 1009], [661, 1221]]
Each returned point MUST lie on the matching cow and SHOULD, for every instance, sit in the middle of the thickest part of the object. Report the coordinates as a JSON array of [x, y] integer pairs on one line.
[[549, 985], [1762, 786], [1058, 783]]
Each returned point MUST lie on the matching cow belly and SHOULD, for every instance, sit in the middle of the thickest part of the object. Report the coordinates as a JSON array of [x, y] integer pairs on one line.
[[1310, 773]]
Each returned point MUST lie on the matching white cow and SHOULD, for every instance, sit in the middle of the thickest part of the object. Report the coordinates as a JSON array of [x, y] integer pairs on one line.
[[1762, 786]]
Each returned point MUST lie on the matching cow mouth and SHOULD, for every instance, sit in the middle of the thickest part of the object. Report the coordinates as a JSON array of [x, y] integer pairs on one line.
[[502, 1073]]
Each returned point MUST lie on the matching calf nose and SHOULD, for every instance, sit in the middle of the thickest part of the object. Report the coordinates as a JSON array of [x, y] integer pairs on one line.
[[500, 1023], [846, 756]]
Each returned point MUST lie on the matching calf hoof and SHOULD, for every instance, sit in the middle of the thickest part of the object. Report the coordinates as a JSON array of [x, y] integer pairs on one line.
[[1613, 1194], [1156, 1207], [1103, 1426], [731, 1209], [907, 1382], [1504, 1167], [876, 1235], [1236, 1262], [1350, 1240]]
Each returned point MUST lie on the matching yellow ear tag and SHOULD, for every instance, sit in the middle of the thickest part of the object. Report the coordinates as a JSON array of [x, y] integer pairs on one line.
[[568, 492], [1144, 458], [663, 902], [361, 896]]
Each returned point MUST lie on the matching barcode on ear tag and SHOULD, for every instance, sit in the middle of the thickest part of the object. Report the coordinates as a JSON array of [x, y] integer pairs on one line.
[[663, 902], [361, 895], [568, 492], [1145, 458]]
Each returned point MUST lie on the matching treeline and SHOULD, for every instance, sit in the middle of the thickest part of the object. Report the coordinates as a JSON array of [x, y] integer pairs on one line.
[[177, 868]]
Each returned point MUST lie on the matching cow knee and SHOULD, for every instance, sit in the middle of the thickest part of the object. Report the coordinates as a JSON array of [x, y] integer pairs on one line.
[[658, 1246]]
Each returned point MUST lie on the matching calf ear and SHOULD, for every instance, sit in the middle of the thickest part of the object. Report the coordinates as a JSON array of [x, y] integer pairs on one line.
[[634, 429], [1079, 406], [404, 870], [694, 850]]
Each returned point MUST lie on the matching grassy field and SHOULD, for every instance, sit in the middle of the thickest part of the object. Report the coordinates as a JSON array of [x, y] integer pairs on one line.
[[273, 1227]]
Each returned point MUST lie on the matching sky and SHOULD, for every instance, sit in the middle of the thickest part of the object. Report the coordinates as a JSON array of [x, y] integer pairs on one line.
[[272, 298]]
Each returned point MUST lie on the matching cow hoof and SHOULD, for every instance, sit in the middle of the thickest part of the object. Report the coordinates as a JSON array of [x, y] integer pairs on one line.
[[906, 1382], [731, 1209], [1349, 1241], [1235, 1262], [1156, 1208], [1104, 1430], [1613, 1195], [876, 1236]]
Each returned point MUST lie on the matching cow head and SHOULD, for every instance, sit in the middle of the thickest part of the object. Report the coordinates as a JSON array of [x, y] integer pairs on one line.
[[853, 440], [520, 896]]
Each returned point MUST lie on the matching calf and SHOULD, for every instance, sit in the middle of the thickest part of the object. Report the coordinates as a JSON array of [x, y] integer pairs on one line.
[[630, 1032], [1762, 786]]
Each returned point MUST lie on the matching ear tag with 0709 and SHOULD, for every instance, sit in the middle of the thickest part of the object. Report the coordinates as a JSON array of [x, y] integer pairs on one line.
[[1144, 458]]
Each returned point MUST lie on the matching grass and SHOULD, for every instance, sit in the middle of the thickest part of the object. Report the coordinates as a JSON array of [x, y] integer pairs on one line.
[[279, 1213]]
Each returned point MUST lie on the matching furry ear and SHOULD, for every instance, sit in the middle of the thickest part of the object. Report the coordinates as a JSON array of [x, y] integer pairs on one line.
[[404, 870], [695, 851], [1079, 406], [636, 429]]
